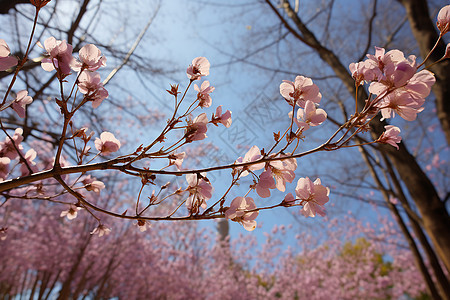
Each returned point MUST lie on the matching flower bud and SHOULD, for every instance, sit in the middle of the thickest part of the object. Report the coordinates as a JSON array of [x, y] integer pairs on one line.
[[443, 20]]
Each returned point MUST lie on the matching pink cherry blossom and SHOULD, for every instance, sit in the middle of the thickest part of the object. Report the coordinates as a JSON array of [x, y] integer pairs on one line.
[[203, 94], [89, 83], [4, 167], [310, 116], [363, 71], [20, 102], [313, 196], [198, 68], [101, 230], [300, 91], [400, 73], [252, 155], [71, 213], [264, 184], [107, 143], [419, 86], [401, 104], [238, 212], [224, 119], [443, 20], [196, 129], [380, 60], [283, 171], [200, 190], [408, 99], [7, 148], [390, 136], [395, 76], [177, 159], [6, 61], [29, 157], [90, 59], [60, 56], [91, 184]]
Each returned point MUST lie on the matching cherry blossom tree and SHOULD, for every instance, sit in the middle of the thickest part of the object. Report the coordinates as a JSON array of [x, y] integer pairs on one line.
[[48, 258], [58, 164]]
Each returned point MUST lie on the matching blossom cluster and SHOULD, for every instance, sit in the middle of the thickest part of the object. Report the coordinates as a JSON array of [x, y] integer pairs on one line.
[[58, 57], [398, 86]]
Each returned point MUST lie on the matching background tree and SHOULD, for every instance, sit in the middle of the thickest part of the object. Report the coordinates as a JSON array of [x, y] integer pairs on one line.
[[180, 260]]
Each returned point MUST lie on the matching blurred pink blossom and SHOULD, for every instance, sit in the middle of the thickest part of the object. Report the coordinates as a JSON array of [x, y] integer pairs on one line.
[[393, 200], [435, 162], [7, 147], [29, 157]]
